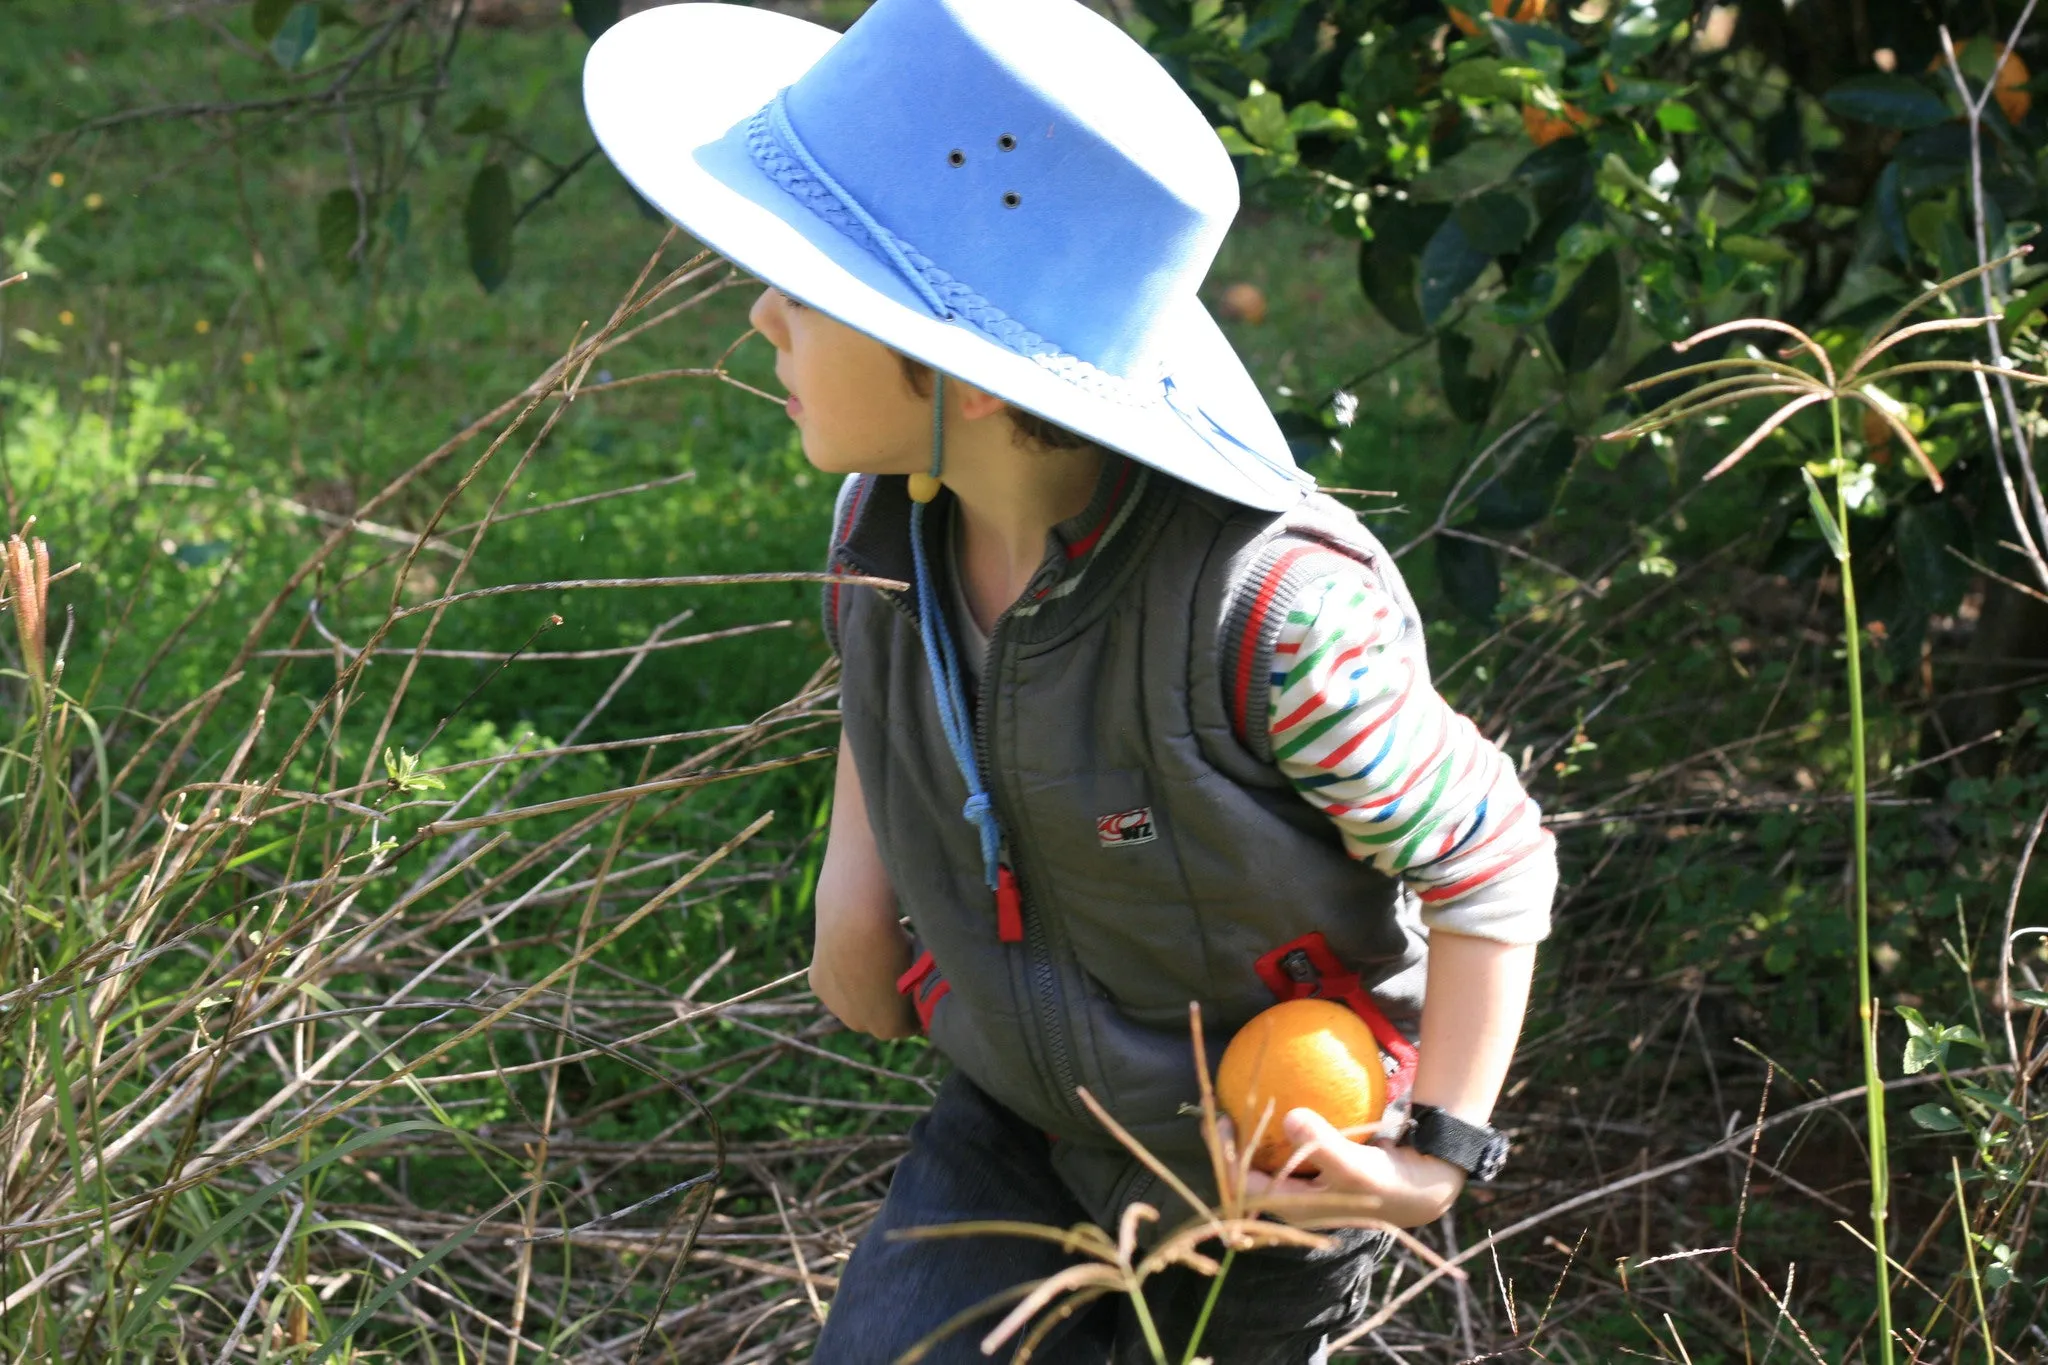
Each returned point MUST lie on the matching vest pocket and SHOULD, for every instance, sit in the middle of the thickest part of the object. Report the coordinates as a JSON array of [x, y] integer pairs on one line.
[[1102, 865]]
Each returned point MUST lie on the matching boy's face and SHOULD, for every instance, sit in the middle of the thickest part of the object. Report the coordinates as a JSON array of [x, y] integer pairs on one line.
[[848, 395]]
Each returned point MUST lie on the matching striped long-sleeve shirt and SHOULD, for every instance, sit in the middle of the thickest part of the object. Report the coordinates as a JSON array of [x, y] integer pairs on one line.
[[1411, 784]]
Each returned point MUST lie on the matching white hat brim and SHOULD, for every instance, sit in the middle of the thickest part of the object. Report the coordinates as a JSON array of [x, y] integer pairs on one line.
[[665, 87]]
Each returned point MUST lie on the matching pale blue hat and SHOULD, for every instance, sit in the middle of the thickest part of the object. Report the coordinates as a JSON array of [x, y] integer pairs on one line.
[[1011, 191]]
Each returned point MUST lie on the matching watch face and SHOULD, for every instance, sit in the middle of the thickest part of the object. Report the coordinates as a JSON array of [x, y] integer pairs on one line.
[[1493, 1158]]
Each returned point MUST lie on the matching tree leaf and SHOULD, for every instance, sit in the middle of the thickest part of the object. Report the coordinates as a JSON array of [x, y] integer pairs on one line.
[[1559, 178], [1309, 435], [1524, 494], [594, 16], [1311, 117], [1469, 396], [1936, 1118], [1264, 120], [1483, 78], [1818, 505], [485, 118], [1470, 574], [296, 36], [1921, 1053], [487, 225], [340, 224], [1449, 266], [1582, 326], [266, 17], [1920, 538], [1496, 222], [1387, 265], [1993, 1101], [1889, 101], [2038, 999]]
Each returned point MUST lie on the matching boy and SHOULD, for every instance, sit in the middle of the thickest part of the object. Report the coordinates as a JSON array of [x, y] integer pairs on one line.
[[1153, 723]]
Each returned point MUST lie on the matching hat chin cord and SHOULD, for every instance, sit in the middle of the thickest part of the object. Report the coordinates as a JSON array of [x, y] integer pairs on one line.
[[940, 656], [925, 487]]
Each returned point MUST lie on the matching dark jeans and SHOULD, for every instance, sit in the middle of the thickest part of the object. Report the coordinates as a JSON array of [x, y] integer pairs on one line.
[[971, 1159]]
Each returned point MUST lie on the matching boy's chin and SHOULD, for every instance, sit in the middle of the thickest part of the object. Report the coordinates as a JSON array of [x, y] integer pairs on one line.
[[846, 462]]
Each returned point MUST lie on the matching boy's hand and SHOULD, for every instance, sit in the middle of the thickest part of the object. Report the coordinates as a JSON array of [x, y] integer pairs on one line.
[[1407, 1188]]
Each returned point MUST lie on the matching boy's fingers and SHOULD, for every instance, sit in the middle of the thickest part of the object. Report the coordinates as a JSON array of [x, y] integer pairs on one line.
[[1351, 1164]]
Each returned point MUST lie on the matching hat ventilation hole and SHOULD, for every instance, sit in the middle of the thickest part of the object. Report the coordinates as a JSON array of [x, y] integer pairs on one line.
[[956, 157], [1007, 142], [1012, 199]]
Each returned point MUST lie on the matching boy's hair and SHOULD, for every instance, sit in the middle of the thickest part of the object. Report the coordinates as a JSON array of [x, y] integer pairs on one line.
[[1035, 429]]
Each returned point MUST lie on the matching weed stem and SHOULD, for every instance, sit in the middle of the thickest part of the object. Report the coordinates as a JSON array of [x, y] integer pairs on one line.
[[1880, 1177]]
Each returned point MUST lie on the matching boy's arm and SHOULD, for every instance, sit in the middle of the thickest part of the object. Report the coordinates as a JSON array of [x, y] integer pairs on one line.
[[1415, 789], [860, 948], [1478, 989]]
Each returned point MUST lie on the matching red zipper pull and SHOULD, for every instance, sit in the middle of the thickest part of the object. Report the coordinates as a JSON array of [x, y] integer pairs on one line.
[[1009, 906]]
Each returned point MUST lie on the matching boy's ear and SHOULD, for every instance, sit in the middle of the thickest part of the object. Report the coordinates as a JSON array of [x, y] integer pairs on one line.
[[974, 404]]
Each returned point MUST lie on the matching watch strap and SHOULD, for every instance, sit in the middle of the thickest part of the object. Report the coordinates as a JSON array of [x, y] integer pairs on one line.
[[1474, 1148]]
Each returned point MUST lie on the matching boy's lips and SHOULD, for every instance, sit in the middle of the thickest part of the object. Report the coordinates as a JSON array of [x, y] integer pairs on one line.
[[792, 405]]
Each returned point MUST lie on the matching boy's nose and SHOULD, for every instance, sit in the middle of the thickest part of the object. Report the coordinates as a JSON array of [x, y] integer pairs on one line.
[[768, 318]]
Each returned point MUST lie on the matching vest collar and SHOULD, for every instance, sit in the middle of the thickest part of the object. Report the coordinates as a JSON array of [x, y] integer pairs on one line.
[[876, 539]]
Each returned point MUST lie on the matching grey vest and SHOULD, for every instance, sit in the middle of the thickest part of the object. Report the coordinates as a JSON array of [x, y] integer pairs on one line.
[[1121, 722]]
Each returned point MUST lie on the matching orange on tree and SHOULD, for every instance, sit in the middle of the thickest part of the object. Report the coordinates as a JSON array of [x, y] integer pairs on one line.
[[1977, 57], [1544, 127], [1524, 12], [1300, 1054]]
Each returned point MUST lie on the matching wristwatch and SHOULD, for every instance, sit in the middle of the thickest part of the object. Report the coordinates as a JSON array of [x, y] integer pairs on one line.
[[1473, 1148]]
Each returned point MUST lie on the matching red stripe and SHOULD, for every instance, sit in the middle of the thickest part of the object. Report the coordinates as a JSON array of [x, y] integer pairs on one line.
[[1116, 494], [1248, 646], [860, 492], [1459, 888]]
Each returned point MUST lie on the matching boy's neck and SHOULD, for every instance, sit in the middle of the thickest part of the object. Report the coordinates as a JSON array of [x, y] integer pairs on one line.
[[1010, 496]]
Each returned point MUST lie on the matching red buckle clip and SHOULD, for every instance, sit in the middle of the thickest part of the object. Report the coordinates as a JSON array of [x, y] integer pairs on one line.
[[1306, 968], [925, 987], [1009, 906]]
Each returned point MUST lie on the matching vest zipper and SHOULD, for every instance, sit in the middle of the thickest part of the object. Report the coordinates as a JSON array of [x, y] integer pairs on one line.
[[1043, 976]]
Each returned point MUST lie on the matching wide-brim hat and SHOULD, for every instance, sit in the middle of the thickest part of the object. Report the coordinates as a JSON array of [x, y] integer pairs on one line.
[[1010, 191]]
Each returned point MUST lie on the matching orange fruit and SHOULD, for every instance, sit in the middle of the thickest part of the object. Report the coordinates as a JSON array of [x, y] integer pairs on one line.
[[1525, 12], [1545, 127], [1243, 302], [1976, 57], [1300, 1054]]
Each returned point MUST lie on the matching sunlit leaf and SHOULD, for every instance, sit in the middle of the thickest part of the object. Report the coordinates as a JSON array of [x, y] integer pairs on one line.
[[295, 36], [1936, 1118], [1832, 533]]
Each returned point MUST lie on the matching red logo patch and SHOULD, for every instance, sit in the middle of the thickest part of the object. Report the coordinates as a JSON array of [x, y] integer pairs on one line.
[[1126, 828]]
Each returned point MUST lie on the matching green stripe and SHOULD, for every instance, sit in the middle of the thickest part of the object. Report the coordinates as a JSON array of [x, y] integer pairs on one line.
[[1423, 813], [1310, 735]]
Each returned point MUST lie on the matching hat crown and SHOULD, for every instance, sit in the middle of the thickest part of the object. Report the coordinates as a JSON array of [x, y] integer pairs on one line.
[[1032, 152]]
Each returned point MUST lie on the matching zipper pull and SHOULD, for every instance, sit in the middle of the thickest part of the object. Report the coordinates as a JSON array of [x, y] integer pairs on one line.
[[1009, 906]]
